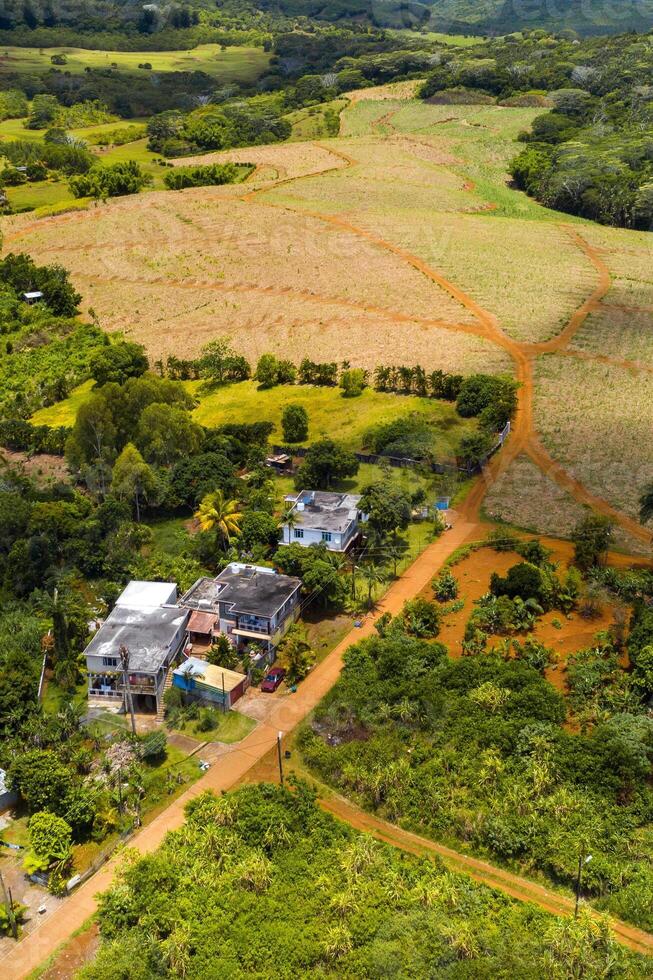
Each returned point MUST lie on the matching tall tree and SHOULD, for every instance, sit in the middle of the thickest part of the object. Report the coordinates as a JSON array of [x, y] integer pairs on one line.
[[133, 479]]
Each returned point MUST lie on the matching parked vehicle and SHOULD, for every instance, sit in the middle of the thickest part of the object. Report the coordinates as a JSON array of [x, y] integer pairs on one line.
[[272, 680]]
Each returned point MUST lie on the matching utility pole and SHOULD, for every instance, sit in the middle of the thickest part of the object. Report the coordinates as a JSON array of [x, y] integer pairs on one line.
[[9, 906], [582, 861], [124, 663], [279, 737], [224, 697], [119, 790]]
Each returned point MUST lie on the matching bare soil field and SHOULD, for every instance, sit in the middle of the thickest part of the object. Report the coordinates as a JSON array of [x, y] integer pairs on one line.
[[571, 633], [596, 420], [400, 241]]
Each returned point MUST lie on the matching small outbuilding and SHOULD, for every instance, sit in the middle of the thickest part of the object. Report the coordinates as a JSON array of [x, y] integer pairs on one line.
[[279, 462], [201, 681], [33, 297]]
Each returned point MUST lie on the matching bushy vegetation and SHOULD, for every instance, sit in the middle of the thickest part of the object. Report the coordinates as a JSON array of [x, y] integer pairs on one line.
[[44, 352], [191, 904], [475, 750], [260, 120], [215, 173], [111, 181]]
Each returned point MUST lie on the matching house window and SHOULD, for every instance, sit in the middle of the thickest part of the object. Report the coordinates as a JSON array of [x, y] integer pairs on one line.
[[109, 661], [299, 532], [326, 535]]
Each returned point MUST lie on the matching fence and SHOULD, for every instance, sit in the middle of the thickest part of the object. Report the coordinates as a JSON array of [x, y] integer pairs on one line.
[[403, 462]]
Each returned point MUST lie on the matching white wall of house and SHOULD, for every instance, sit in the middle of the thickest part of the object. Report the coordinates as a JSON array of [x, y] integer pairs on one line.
[[306, 536]]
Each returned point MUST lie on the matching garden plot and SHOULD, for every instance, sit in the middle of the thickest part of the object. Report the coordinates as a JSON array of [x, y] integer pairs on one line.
[[596, 421]]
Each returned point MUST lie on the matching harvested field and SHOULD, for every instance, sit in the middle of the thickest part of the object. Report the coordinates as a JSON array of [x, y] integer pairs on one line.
[[288, 159], [524, 497], [182, 318], [596, 421], [618, 332]]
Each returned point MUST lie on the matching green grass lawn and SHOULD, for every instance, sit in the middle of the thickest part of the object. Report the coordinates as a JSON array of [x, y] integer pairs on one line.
[[65, 412], [15, 129], [231, 727], [169, 534], [54, 697], [454, 40], [234, 64], [330, 415]]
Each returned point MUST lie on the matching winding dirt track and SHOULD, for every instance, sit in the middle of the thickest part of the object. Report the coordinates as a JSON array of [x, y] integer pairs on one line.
[[26, 955], [481, 871], [524, 437]]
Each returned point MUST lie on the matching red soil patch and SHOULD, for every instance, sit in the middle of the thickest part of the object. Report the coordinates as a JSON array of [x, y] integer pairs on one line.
[[473, 576]]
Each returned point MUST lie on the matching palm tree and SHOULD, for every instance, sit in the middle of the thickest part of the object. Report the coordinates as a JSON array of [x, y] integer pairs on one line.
[[373, 575], [289, 520], [220, 515]]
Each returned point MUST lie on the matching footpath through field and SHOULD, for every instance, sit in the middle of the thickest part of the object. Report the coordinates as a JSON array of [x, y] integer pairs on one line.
[[481, 871], [31, 951]]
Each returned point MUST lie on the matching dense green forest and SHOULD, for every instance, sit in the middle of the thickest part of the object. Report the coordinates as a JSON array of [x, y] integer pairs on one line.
[[484, 750], [261, 883], [195, 17]]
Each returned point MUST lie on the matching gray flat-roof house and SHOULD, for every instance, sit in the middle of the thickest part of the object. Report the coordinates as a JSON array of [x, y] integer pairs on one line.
[[248, 603], [148, 622], [323, 517]]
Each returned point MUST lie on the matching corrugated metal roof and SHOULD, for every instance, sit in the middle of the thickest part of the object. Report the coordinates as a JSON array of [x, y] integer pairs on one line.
[[201, 622], [208, 675]]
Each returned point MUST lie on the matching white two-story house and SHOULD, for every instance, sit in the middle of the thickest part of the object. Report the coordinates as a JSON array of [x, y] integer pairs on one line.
[[323, 517], [149, 629]]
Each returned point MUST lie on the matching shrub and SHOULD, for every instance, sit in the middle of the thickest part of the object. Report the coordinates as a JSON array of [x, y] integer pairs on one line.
[[294, 423], [421, 618], [154, 745], [202, 176], [352, 382], [110, 181], [445, 586]]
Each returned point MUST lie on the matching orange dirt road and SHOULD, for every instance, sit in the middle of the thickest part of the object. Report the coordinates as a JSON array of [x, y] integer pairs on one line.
[[481, 871], [27, 954]]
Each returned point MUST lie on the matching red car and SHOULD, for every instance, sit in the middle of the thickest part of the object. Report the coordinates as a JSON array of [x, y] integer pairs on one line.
[[272, 680]]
